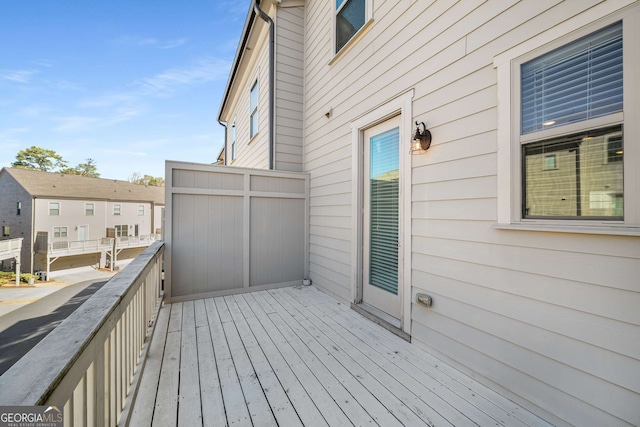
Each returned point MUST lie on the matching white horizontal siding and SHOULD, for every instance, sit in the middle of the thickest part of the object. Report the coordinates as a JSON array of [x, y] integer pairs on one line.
[[289, 88], [549, 318]]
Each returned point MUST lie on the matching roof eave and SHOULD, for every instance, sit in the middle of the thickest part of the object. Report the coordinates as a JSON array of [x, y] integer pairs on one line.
[[246, 31]]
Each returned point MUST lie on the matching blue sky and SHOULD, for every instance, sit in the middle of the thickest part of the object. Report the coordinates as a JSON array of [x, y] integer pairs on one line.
[[129, 84]]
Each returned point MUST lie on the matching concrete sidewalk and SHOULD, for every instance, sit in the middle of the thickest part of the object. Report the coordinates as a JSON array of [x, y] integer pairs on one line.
[[12, 298]]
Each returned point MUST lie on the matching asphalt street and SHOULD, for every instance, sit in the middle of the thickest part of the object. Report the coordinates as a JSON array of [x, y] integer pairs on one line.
[[23, 328]]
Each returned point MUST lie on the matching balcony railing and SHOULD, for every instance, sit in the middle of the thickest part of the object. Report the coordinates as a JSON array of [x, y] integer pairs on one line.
[[104, 244], [9, 247], [87, 364]]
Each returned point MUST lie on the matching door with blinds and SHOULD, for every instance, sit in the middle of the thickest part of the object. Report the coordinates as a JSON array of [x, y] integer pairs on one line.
[[380, 287]]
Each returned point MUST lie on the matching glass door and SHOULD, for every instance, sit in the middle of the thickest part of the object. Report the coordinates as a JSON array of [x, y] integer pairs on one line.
[[381, 217]]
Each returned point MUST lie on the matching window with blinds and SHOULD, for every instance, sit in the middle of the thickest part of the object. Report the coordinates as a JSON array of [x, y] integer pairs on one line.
[[580, 175], [383, 210], [576, 82]]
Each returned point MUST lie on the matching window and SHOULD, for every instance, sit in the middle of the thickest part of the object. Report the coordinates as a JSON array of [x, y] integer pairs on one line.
[[576, 83], [122, 230], [54, 208], [18, 208], [5, 231], [579, 185], [60, 231], [566, 155], [350, 17], [117, 209], [140, 210], [253, 110], [233, 142], [136, 230], [89, 209]]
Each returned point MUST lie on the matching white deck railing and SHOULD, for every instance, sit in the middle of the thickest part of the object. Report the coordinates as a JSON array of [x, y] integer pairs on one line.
[[104, 244], [87, 363], [9, 248]]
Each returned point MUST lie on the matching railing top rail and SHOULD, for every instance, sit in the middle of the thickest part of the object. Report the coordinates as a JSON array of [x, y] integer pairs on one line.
[[34, 377]]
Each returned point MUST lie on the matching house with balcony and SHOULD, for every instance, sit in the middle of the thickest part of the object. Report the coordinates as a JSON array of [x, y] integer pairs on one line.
[[428, 214], [67, 220]]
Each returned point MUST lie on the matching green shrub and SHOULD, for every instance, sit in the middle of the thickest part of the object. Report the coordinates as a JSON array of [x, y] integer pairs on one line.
[[26, 276]]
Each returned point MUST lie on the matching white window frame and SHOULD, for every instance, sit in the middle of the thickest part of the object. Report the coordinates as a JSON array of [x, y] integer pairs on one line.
[[402, 105], [6, 231], [59, 209], [119, 228], [93, 209], [59, 232], [507, 65], [119, 210], [254, 110], [140, 210], [368, 20]]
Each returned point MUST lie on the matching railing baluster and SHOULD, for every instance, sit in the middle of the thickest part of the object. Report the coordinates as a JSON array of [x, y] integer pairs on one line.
[[90, 395], [68, 411], [93, 370]]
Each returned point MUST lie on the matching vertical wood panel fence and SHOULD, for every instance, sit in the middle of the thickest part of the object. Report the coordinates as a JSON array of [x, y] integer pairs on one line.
[[231, 230]]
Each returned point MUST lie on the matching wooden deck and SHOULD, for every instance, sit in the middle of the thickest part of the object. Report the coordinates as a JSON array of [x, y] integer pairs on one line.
[[295, 356]]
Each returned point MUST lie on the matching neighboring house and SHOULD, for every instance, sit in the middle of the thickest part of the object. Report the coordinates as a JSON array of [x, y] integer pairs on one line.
[[73, 208], [521, 221]]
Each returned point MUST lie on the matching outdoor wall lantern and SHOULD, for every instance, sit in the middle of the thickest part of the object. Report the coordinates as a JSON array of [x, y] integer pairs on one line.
[[421, 140]]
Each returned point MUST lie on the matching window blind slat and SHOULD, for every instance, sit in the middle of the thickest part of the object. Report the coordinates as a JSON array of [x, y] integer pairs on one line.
[[383, 211], [577, 82]]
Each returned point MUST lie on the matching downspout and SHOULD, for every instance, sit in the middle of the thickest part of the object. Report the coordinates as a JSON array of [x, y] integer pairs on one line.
[[272, 116], [225, 141]]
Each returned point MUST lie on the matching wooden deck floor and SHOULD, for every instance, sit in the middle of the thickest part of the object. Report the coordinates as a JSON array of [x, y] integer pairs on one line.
[[296, 356]]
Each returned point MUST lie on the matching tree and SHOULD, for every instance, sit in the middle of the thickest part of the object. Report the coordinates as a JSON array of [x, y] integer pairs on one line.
[[85, 169], [36, 158], [137, 178]]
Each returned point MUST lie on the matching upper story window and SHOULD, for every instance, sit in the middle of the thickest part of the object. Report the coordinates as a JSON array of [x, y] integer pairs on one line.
[[253, 110], [5, 231], [89, 209], [140, 210], [54, 208], [350, 17], [567, 133], [18, 208], [117, 209], [564, 95], [233, 141]]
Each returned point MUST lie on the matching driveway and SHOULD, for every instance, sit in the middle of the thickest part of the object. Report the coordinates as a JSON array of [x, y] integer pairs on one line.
[[28, 314]]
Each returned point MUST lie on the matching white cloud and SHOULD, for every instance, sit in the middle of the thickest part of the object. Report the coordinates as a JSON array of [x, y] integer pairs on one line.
[[17, 76], [173, 43], [204, 70], [75, 123]]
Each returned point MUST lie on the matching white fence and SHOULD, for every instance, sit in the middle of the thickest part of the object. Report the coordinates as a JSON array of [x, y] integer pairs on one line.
[[9, 248], [87, 363], [105, 244]]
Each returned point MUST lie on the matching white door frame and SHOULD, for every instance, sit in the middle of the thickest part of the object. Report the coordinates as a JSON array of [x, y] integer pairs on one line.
[[402, 106]]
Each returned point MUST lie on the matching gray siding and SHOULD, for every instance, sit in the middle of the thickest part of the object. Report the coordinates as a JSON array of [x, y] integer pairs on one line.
[[19, 225], [289, 87], [550, 319]]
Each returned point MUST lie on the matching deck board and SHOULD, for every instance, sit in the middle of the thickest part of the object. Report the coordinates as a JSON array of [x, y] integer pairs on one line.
[[296, 356]]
